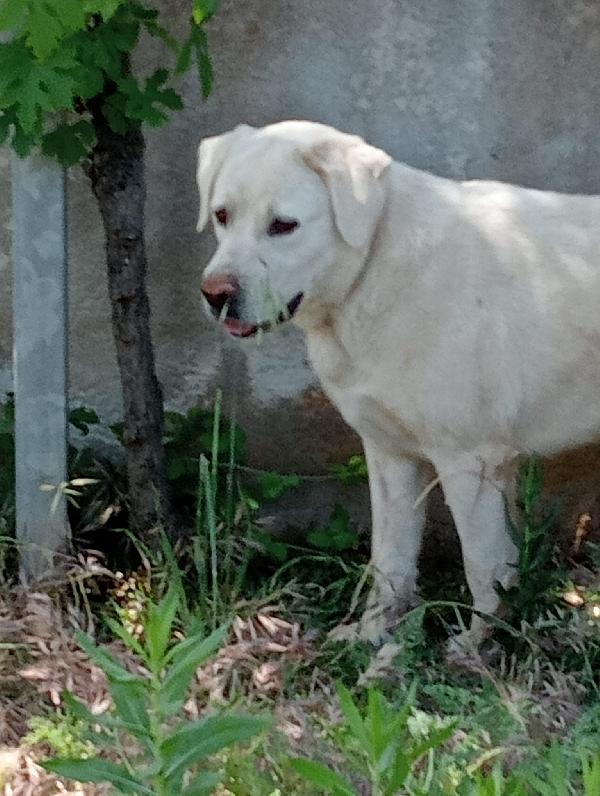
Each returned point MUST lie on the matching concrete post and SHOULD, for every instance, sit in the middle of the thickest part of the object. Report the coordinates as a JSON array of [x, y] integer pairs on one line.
[[40, 361]]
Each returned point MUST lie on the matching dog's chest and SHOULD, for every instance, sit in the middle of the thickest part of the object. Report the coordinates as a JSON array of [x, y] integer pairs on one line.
[[359, 394]]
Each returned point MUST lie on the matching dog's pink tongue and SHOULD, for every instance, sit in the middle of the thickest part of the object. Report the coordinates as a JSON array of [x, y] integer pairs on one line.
[[239, 328]]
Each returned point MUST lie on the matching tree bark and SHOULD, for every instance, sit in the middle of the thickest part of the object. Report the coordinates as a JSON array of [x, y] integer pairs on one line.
[[116, 171]]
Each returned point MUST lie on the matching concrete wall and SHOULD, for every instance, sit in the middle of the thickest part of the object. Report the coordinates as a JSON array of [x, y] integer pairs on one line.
[[467, 88]]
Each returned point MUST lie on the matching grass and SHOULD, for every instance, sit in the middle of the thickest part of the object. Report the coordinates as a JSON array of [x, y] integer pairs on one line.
[[522, 718]]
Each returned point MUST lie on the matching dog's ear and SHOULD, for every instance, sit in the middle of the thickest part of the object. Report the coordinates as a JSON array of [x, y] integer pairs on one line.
[[352, 171], [211, 156]]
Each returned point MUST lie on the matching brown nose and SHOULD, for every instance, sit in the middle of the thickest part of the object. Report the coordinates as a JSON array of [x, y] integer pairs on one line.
[[219, 289]]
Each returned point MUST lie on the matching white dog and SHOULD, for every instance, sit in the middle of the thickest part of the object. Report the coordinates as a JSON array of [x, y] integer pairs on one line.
[[452, 323]]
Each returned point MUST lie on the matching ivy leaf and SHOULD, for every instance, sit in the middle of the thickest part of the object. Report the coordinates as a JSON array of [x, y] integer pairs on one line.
[[69, 143]]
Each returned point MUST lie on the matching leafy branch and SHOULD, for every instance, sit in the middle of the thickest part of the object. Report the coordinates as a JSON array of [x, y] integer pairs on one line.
[[61, 55]]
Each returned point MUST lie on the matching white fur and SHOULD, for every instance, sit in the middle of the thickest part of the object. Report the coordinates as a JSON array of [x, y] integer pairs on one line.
[[452, 323]]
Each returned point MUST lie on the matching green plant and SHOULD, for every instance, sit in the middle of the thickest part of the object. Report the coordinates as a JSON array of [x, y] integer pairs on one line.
[[338, 535], [188, 436], [62, 733], [376, 746], [159, 754], [560, 772], [354, 471], [537, 572]]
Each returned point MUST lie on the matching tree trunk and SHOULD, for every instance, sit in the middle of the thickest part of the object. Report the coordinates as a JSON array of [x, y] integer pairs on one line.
[[116, 171]]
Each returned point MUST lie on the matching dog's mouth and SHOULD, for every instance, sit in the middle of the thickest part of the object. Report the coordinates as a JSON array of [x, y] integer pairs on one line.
[[238, 328]]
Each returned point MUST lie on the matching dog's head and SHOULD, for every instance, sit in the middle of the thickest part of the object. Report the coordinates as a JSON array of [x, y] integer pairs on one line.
[[291, 204]]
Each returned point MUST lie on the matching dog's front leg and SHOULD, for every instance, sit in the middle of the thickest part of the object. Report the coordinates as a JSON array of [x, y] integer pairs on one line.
[[474, 487], [395, 484]]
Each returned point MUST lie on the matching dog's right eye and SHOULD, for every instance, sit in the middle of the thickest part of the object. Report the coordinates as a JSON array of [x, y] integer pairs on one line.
[[282, 226], [222, 216]]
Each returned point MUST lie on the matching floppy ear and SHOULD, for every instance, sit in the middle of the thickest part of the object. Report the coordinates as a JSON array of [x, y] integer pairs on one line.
[[352, 169], [211, 156]]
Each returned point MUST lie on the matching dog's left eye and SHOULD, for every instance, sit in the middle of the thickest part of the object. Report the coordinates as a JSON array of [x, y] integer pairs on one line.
[[280, 226]]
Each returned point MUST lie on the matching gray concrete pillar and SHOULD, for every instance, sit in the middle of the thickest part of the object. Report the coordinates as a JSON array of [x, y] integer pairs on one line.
[[40, 361]]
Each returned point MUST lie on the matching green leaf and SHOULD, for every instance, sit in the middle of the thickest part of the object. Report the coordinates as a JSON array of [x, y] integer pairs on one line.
[[184, 59], [159, 626], [274, 485], [126, 637], [322, 776], [79, 711], [114, 671], [338, 535], [33, 87], [352, 715], [131, 707], [435, 739], [203, 785], [171, 99], [400, 770], [158, 32], [82, 418], [376, 717], [69, 144], [196, 741], [186, 657], [106, 8], [22, 142], [11, 13], [98, 770], [116, 117], [71, 13], [204, 10], [90, 80], [45, 30], [125, 35], [203, 60], [140, 104]]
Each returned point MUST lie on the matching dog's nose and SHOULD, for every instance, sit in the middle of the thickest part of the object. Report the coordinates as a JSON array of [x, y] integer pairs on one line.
[[219, 289]]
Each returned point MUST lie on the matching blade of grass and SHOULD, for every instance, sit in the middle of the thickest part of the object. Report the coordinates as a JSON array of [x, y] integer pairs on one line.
[[212, 536]]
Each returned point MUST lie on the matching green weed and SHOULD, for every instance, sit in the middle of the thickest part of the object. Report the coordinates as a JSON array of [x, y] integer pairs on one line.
[[377, 747], [159, 754]]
